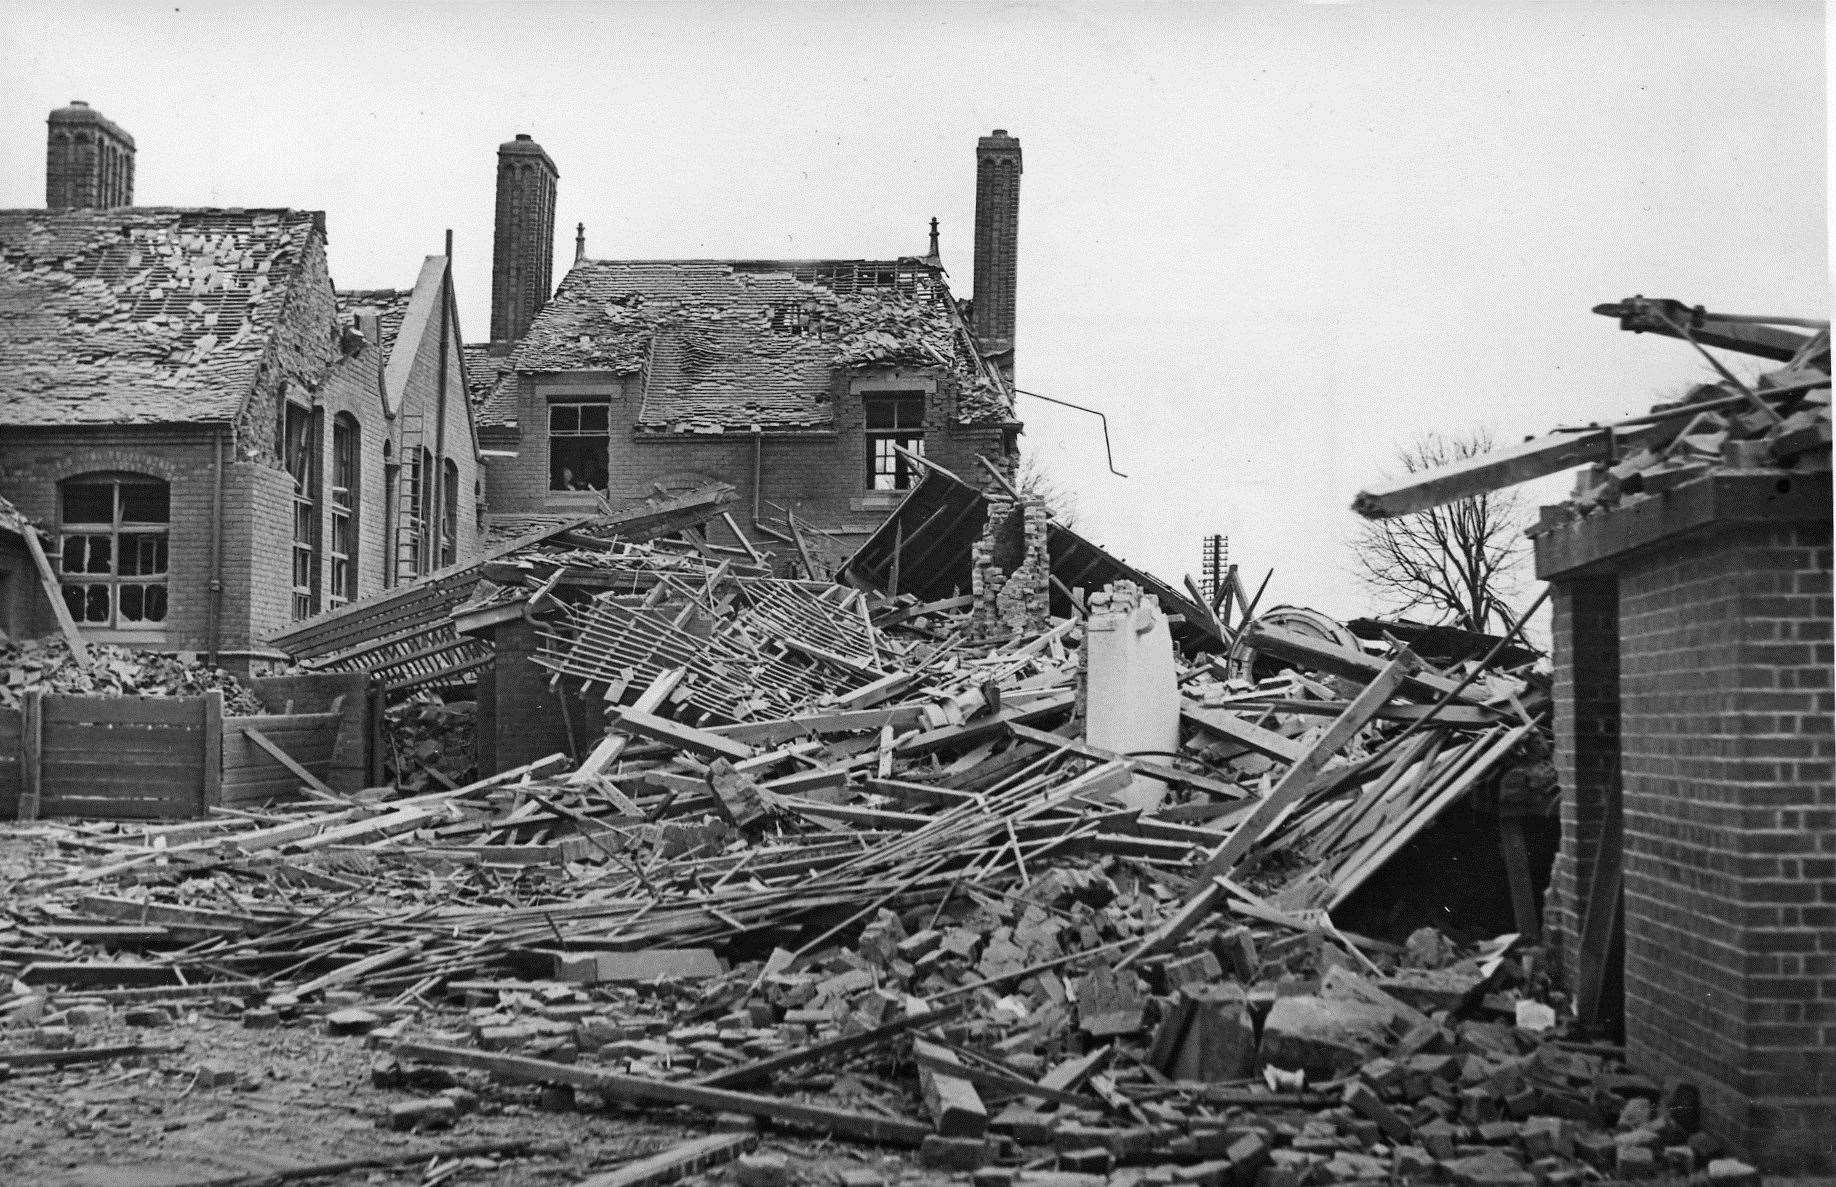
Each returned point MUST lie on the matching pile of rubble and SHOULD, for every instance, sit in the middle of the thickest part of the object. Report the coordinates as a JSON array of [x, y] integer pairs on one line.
[[113, 672], [862, 865]]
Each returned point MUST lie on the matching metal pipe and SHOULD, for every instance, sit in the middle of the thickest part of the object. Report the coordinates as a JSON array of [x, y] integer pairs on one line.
[[1107, 453], [214, 605]]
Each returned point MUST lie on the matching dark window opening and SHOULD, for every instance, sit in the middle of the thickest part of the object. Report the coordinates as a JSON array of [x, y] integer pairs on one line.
[[449, 513], [894, 423], [301, 445], [579, 442], [113, 550], [341, 553]]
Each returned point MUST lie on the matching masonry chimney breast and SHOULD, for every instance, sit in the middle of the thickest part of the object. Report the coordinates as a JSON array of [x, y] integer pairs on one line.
[[523, 244], [997, 231], [89, 160]]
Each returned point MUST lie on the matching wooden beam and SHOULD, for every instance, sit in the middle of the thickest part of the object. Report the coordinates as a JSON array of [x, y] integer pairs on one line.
[[1301, 775], [637, 1090], [312, 781], [1348, 662], [31, 753], [53, 591], [1488, 472], [691, 1157], [1228, 725], [708, 745], [761, 1069]]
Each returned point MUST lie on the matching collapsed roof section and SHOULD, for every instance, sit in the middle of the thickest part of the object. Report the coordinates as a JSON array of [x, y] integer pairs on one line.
[[924, 548], [732, 344], [1780, 422], [406, 637], [142, 315]]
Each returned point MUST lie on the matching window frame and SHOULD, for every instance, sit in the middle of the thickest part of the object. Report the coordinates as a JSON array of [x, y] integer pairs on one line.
[[449, 512], [302, 440], [154, 532], [579, 404], [345, 494], [889, 472]]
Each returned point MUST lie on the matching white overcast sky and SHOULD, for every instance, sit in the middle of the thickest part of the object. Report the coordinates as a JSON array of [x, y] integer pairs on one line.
[[1271, 241]]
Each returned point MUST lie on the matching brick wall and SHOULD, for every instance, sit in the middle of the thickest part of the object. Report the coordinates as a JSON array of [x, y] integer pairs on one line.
[[34, 461], [997, 233], [1586, 698], [302, 350], [821, 476], [89, 161], [523, 247], [1729, 823], [520, 717]]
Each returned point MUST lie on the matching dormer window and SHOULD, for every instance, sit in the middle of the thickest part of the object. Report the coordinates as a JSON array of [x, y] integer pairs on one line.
[[895, 421], [579, 444]]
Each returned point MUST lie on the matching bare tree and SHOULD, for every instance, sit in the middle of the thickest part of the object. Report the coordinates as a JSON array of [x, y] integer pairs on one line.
[[1457, 563], [1032, 481]]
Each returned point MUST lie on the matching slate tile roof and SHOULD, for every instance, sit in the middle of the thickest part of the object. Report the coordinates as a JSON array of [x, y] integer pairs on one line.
[[390, 306], [482, 372], [139, 315], [728, 344]]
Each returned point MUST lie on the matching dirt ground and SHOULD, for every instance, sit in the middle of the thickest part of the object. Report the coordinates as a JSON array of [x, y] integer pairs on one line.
[[219, 1102]]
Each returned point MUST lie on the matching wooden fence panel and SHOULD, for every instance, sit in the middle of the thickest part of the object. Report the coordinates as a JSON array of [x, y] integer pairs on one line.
[[130, 758], [252, 776], [317, 692], [11, 765]]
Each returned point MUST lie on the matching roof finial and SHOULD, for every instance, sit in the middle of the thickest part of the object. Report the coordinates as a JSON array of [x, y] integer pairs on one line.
[[579, 242], [935, 254]]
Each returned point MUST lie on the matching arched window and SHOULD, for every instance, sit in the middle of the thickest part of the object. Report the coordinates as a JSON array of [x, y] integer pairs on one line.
[[346, 462], [449, 512], [112, 549]]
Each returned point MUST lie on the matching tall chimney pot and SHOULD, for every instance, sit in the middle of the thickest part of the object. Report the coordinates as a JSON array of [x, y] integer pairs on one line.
[[89, 160], [997, 231], [523, 245]]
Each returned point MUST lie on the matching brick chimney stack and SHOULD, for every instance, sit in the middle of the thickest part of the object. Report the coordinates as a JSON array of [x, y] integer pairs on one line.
[[523, 251], [89, 161], [997, 230]]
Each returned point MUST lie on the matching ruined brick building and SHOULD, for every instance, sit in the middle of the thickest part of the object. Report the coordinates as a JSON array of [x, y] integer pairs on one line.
[[807, 384], [212, 440]]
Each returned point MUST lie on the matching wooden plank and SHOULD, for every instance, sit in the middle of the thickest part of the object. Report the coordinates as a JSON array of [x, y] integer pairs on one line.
[[691, 1157], [764, 1069], [68, 1056], [67, 709], [286, 760], [637, 1090], [696, 741], [31, 751], [1228, 725], [1602, 927], [1348, 662], [615, 741], [1300, 776], [47, 580], [1488, 472], [210, 782], [277, 724]]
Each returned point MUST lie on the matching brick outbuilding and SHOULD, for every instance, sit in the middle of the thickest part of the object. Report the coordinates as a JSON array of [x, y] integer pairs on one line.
[[1692, 906]]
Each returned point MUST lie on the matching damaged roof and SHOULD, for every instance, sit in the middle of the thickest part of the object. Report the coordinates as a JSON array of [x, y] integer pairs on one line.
[[729, 344], [389, 305], [140, 315]]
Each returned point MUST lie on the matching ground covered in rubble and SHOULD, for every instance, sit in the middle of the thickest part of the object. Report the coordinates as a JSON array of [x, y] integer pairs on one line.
[[880, 880]]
